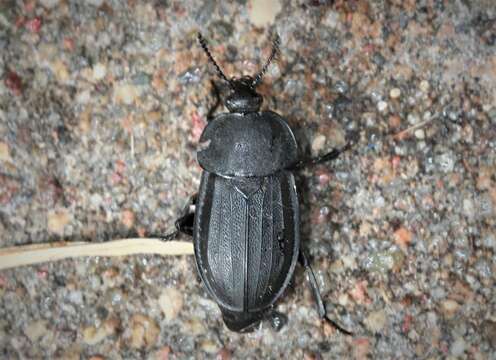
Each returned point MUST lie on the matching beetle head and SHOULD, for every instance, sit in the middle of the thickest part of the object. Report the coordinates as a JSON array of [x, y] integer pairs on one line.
[[243, 96]]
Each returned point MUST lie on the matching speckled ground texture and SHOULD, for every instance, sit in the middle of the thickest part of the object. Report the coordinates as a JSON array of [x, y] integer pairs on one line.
[[101, 107]]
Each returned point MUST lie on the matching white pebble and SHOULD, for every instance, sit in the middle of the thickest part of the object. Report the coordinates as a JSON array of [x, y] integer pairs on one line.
[[420, 134], [395, 93], [99, 71], [171, 303], [382, 106], [318, 143], [412, 118], [424, 86]]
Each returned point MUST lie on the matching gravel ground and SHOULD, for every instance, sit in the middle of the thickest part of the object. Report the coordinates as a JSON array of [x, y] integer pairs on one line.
[[101, 107]]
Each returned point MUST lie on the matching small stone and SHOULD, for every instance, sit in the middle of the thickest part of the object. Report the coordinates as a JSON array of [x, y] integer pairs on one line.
[[263, 12], [446, 162], [458, 347], [60, 71], [375, 321], [384, 261], [449, 307], [318, 143], [57, 220], [13, 82], [171, 303], [4, 152], [395, 93], [382, 106], [193, 326], [36, 330], [209, 346], [361, 348], [144, 332], [125, 94], [489, 241], [419, 134], [394, 121], [127, 218], [224, 354], [403, 237], [424, 86], [413, 119], [99, 71], [93, 335]]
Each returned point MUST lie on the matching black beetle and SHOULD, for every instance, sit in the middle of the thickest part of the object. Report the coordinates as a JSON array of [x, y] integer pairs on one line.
[[245, 219]]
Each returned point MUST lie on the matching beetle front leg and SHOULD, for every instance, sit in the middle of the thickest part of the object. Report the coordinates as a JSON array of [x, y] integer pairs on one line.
[[317, 295]]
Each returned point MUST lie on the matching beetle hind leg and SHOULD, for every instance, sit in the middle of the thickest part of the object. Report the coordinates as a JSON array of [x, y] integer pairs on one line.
[[317, 295]]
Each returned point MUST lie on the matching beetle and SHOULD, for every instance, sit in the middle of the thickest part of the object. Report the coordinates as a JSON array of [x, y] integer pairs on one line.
[[245, 218]]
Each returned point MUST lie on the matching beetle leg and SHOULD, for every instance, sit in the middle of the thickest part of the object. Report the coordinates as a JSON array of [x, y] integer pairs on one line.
[[317, 296], [184, 224], [210, 114]]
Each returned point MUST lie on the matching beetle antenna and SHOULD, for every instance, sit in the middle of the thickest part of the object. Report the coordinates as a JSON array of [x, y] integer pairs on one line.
[[273, 54], [204, 45]]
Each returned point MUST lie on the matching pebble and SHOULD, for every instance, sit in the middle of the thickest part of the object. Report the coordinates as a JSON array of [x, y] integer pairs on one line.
[[419, 134], [128, 218], [93, 335], [144, 332], [125, 94], [395, 93], [446, 162], [458, 347], [209, 347], [424, 86], [60, 71], [449, 307], [99, 71], [382, 106], [4, 152], [263, 12], [171, 303], [57, 220], [413, 118], [376, 321], [36, 330], [318, 143], [384, 261], [403, 237]]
